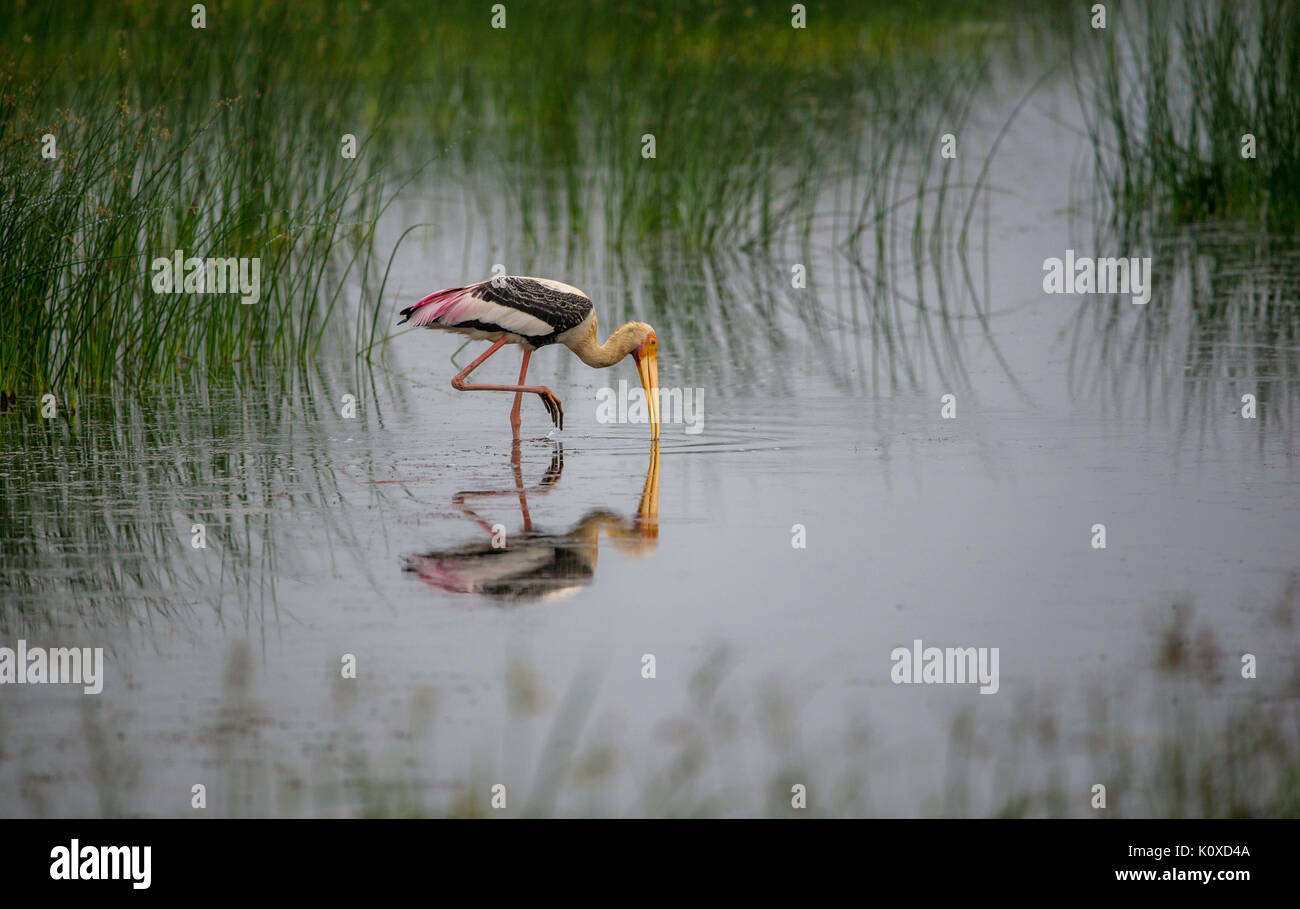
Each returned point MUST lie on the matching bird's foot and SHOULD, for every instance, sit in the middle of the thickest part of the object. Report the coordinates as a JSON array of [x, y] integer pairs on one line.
[[552, 475], [553, 407]]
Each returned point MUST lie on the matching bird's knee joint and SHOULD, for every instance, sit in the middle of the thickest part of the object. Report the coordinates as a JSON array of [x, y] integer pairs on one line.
[[458, 383]]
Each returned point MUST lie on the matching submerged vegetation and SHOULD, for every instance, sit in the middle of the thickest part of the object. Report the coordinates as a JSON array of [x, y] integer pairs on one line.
[[138, 480], [1178, 737], [1223, 322]]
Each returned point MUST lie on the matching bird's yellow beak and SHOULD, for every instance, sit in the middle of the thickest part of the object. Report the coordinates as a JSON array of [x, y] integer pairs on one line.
[[647, 366]]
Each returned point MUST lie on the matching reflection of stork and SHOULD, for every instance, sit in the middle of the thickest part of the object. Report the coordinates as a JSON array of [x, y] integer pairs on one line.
[[540, 566], [535, 312]]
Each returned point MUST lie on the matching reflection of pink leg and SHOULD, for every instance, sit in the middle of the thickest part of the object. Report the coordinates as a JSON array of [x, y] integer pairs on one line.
[[514, 462], [552, 476], [519, 395], [548, 397]]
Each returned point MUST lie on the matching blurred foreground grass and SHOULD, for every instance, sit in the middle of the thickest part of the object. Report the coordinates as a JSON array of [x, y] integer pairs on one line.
[[1178, 733]]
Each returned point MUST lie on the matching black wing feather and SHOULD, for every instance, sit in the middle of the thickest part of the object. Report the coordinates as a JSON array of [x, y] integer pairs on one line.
[[556, 308]]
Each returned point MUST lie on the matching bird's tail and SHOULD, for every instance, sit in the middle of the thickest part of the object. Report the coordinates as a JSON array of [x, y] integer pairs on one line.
[[429, 312]]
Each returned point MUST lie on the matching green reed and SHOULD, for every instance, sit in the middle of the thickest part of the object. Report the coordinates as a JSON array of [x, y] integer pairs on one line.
[[1170, 93], [225, 141], [168, 138]]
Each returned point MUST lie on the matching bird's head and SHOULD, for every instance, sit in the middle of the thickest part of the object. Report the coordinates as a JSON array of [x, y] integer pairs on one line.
[[646, 355]]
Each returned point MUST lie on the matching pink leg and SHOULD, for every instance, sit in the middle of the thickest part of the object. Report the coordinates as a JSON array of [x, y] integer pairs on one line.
[[548, 398]]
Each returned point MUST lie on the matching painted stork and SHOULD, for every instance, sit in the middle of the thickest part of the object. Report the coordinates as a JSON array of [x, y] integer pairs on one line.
[[535, 312]]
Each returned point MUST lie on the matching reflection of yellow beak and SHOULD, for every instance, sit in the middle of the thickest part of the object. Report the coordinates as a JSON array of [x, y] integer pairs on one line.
[[648, 368], [641, 536], [648, 511]]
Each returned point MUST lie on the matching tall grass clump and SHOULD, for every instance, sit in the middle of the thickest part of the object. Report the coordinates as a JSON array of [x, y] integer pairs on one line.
[[168, 138], [1171, 93]]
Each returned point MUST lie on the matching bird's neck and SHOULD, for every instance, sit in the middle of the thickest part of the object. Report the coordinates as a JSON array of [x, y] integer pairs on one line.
[[634, 536], [617, 346]]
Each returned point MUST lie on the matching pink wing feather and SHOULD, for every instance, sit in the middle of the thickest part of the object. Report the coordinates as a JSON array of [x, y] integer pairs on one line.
[[450, 306]]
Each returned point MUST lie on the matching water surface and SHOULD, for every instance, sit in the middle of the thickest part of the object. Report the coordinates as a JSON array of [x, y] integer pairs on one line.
[[371, 537]]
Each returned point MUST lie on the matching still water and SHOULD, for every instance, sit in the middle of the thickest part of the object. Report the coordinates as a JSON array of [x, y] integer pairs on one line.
[[334, 542]]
